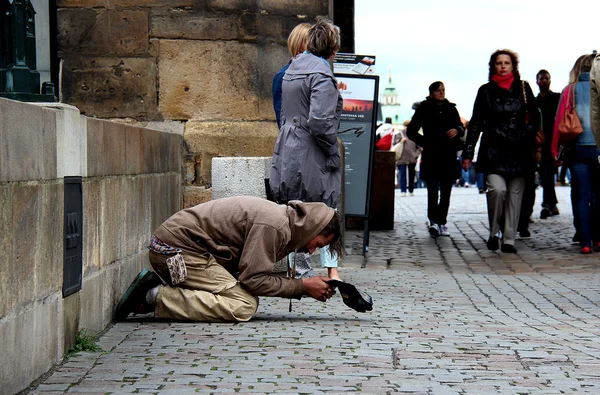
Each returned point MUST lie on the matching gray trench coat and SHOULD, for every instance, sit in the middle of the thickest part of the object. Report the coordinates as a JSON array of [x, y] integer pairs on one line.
[[306, 161]]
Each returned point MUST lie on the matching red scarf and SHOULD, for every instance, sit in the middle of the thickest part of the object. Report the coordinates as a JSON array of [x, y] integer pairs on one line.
[[504, 81]]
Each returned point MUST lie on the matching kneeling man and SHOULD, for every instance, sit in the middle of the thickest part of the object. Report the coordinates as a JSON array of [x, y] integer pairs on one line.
[[218, 257]]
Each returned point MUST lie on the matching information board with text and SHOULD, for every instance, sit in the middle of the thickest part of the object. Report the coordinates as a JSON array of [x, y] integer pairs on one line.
[[357, 132]]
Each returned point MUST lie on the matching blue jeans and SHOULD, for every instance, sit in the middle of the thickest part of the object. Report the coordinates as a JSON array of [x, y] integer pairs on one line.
[[481, 181], [411, 177], [466, 175], [584, 193], [479, 177]]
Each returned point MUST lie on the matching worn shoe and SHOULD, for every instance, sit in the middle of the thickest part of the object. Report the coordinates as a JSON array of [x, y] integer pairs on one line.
[[434, 230], [575, 238], [524, 233], [554, 211], [444, 231], [508, 248], [492, 243], [586, 250], [403, 194], [545, 213], [481, 191], [134, 299], [597, 246], [412, 194]]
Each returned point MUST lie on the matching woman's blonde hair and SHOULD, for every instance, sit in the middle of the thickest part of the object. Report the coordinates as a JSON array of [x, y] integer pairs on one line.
[[576, 70], [297, 40], [323, 38]]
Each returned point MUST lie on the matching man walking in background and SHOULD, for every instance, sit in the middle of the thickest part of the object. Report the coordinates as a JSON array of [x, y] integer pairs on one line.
[[547, 102]]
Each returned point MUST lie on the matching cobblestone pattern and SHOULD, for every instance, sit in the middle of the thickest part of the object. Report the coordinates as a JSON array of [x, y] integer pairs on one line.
[[449, 317]]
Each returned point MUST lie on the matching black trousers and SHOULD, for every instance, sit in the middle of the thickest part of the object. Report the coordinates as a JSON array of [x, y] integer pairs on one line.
[[547, 172], [438, 200]]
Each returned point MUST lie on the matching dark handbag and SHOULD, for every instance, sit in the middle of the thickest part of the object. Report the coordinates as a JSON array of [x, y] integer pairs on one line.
[[569, 126], [540, 137]]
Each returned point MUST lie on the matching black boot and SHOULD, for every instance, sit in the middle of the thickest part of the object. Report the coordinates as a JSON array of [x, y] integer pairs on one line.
[[492, 243]]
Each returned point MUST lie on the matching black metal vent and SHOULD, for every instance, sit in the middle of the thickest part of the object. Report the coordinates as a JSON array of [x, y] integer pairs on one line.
[[73, 236]]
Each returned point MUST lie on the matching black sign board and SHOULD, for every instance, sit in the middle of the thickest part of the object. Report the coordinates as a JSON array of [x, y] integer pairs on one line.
[[357, 132]]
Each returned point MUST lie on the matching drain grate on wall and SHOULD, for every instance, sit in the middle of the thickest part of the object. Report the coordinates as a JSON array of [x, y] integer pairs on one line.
[[73, 236]]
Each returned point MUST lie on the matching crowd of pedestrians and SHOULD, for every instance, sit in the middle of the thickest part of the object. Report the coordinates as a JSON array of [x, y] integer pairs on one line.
[[512, 144], [515, 141]]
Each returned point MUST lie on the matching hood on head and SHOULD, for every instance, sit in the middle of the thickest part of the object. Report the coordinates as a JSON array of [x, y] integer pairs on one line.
[[307, 220]]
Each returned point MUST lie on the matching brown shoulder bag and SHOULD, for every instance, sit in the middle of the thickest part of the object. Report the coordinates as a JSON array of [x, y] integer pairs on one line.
[[569, 126]]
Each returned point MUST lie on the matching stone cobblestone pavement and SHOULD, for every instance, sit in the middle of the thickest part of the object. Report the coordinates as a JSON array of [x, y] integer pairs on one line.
[[450, 317]]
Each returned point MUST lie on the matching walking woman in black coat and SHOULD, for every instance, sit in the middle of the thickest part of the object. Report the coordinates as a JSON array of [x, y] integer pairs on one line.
[[506, 113], [442, 130]]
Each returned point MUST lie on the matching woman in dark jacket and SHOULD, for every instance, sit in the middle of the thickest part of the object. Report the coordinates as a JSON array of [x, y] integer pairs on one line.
[[505, 156], [306, 162], [442, 130]]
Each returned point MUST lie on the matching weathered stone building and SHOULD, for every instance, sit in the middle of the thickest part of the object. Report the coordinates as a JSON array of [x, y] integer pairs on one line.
[[201, 66]]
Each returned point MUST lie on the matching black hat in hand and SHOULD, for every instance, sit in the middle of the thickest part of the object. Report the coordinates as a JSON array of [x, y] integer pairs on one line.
[[352, 296]]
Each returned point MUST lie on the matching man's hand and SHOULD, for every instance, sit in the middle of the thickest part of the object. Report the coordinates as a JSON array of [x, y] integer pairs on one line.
[[452, 133], [466, 163], [559, 163], [317, 288]]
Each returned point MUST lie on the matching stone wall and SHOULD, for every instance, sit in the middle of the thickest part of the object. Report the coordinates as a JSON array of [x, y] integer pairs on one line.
[[208, 64], [131, 183]]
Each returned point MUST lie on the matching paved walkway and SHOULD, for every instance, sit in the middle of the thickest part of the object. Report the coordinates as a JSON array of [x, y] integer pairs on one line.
[[450, 317]]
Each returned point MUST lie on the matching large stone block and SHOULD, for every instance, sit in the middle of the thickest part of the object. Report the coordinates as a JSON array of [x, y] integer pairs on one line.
[[27, 142], [207, 140], [25, 225], [188, 24], [92, 227], [50, 240], [134, 147], [240, 176], [193, 195], [231, 5], [106, 146], [132, 235], [151, 150], [123, 3], [166, 197], [311, 8], [6, 239], [97, 296], [278, 27], [102, 32], [232, 138], [174, 127], [71, 135], [110, 221], [111, 87], [29, 344], [205, 80], [271, 57]]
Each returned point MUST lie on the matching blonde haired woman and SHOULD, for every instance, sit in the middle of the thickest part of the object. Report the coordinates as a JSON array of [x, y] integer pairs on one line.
[[306, 162], [296, 45], [581, 156]]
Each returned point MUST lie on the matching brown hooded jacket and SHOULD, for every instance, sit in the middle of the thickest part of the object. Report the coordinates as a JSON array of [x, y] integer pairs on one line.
[[248, 235]]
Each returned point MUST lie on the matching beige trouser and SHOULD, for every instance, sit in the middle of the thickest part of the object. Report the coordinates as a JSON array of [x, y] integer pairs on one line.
[[504, 197], [209, 294]]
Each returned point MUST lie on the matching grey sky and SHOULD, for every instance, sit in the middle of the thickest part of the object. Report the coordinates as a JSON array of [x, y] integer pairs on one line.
[[428, 40]]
